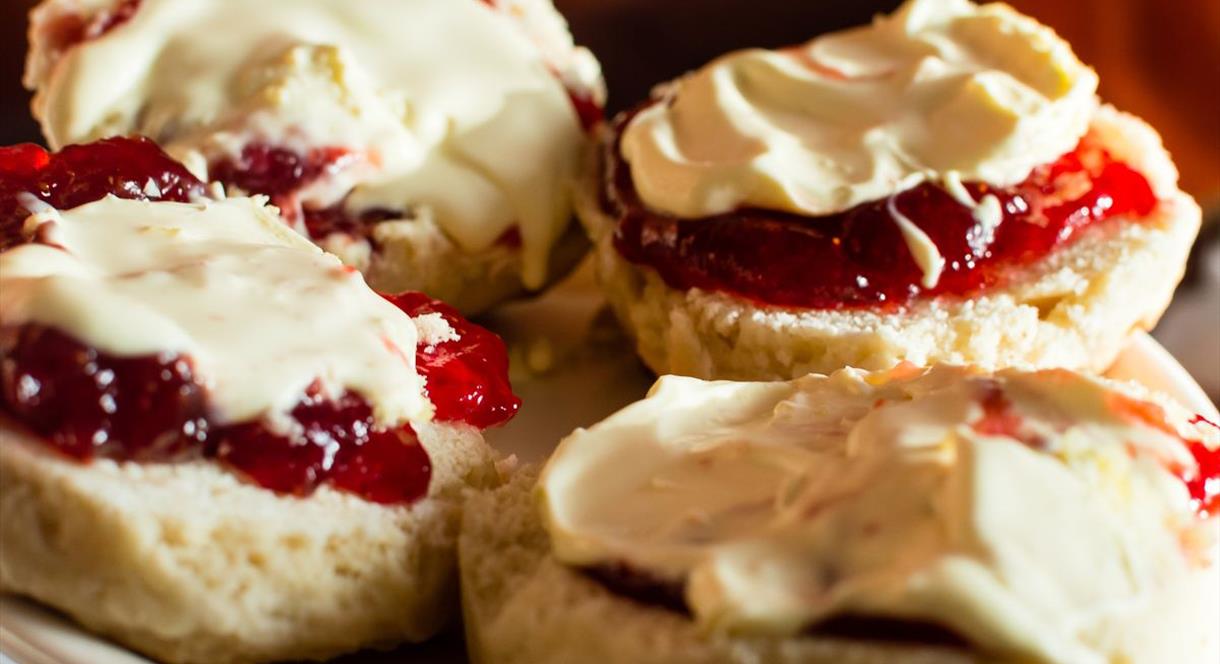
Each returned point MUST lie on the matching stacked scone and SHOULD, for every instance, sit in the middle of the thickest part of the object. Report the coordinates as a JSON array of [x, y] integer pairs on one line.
[[217, 443], [940, 186], [911, 515], [429, 143]]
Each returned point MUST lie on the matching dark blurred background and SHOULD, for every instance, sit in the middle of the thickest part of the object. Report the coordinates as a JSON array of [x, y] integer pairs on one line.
[[1157, 59]]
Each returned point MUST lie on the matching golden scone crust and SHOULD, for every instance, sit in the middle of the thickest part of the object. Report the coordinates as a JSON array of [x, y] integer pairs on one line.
[[188, 564], [1072, 310], [521, 606]]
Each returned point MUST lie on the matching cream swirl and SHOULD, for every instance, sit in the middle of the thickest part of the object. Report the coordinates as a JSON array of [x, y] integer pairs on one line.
[[1039, 515], [262, 312], [940, 89], [451, 110]]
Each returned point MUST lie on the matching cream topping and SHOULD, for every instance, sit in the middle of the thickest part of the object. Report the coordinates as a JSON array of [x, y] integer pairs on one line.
[[941, 89], [262, 312], [1050, 528], [444, 105]]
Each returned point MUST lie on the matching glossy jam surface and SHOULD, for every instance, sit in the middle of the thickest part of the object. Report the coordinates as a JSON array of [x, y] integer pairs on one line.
[[88, 404], [859, 258], [467, 379], [85, 403], [337, 444], [131, 168]]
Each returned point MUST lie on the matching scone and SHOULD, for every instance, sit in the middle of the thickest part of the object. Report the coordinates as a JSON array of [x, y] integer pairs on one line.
[[940, 186], [217, 443], [432, 144], [911, 515]]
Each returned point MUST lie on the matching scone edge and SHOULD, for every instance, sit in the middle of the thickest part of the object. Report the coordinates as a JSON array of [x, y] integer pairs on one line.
[[188, 564], [522, 606]]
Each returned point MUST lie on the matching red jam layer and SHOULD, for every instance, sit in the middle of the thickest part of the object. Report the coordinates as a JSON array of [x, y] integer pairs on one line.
[[70, 29], [88, 404], [1204, 481], [858, 258], [133, 168], [467, 379]]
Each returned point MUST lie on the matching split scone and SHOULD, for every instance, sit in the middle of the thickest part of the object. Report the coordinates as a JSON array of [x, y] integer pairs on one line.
[[430, 143], [940, 186], [908, 516], [217, 443]]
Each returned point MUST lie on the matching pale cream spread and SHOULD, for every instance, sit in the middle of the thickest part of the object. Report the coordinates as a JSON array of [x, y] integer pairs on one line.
[[940, 90], [451, 109], [261, 311], [1036, 514]]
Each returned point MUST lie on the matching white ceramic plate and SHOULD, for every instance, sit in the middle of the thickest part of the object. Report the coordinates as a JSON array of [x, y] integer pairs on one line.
[[582, 370]]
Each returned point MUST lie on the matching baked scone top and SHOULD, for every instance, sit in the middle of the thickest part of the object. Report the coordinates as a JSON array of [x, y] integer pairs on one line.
[[456, 110], [942, 90], [1044, 515]]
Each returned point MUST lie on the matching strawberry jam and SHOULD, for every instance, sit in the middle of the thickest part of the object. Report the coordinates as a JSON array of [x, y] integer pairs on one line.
[[859, 258], [467, 379], [86, 403], [70, 29], [281, 174], [133, 168], [1204, 481]]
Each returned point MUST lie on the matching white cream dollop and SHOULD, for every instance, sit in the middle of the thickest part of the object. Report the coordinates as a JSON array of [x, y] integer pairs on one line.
[[777, 505], [261, 311], [449, 107], [941, 88]]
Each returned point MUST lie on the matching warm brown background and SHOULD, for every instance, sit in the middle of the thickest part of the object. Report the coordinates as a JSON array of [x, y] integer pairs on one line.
[[1158, 59]]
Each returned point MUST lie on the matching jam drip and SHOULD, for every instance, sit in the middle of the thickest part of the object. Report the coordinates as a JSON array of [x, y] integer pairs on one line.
[[859, 258], [86, 403], [133, 168], [467, 379]]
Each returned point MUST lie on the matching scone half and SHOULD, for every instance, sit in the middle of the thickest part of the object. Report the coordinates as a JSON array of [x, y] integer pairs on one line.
[[1076, 308], [911, 515], [217, 443], [187, 563], [941, 185], [380, 131], [519, 604]]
